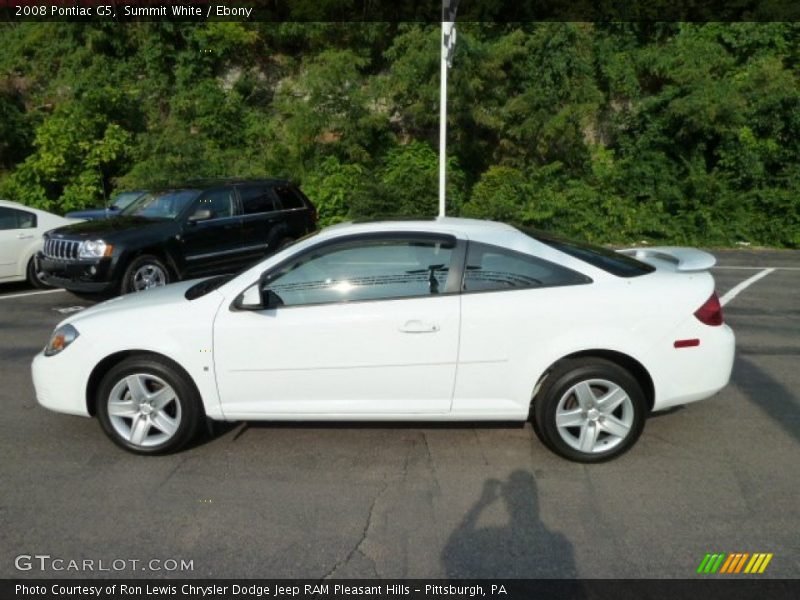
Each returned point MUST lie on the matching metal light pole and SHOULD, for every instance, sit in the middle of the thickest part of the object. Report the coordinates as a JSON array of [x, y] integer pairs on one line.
[[448, 45]]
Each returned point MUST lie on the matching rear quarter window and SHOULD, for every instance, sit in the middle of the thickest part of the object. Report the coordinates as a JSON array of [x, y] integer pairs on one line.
[[597, 256], [490, 268]]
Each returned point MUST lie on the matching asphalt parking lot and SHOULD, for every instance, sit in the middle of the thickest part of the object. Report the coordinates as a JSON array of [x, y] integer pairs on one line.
[[315, 500]]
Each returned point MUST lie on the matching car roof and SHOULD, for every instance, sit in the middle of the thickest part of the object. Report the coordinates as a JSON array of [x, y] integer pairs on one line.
[[470, 228], [19, 205], [197, 184]]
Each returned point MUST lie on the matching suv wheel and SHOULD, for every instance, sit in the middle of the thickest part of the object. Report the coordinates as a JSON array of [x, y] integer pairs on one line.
[[144, 273], [34, 276], [589, 410]]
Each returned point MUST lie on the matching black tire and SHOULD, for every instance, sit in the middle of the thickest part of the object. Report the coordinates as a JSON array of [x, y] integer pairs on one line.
[[186, 404], [596, 373], [34, 278], [283, 243], [131, 280]]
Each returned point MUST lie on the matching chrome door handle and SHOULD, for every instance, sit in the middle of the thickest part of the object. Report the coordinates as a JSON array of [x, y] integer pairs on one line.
[[416, 326]]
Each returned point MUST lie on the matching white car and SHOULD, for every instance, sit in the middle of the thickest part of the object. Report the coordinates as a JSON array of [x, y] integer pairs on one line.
[[21, 231], [448, 319]]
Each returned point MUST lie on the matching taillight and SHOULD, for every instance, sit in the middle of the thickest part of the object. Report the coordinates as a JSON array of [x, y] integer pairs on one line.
[[711, 312]]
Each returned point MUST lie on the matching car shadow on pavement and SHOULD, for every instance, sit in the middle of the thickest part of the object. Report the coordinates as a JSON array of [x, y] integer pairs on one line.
[[521, 548], [769, 394]]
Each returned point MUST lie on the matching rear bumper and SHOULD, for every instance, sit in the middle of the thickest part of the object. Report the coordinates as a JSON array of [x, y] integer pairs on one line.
[[77, 275], [684, 375]]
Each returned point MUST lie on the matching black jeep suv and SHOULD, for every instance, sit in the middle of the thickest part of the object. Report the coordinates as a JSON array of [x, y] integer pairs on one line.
[[177, 233]]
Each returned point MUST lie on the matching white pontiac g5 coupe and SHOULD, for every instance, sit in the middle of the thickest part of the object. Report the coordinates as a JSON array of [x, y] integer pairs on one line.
[[448, 319]]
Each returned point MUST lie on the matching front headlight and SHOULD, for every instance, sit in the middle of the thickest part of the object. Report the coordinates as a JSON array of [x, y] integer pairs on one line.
[[94, 249], [61, 338]]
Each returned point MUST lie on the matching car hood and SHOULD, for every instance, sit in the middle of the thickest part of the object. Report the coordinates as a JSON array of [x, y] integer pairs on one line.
[[109, 228], [162, 297], [94, 213]]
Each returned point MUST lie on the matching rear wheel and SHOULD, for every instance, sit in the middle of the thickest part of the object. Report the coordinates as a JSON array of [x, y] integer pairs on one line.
[[144, 273], [148, 406], [35, 275], [589, 410]]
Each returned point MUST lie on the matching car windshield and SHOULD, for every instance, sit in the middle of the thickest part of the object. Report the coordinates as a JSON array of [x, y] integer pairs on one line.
[[603, 258], [124, 199], [161, 205]]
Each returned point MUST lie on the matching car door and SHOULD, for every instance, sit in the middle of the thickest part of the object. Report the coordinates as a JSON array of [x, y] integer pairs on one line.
[[294, 212], [17, 230], [366, 326], [211, 238], [260, 221]]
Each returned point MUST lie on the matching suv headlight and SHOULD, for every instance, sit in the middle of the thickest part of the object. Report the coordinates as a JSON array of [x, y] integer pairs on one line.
[[61, 338], [94, 249]]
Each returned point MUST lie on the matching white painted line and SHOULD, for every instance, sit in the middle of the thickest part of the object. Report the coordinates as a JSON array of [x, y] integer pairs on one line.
[[756, 268], [732, 293], [31, 294]]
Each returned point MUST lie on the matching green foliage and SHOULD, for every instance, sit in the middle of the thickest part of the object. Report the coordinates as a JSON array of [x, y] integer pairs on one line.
[[620, 132], [406, 184]]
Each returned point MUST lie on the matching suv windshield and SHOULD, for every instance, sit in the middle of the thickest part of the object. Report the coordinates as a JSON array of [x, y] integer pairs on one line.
[[161, 205], [603, 258], [124, 199]]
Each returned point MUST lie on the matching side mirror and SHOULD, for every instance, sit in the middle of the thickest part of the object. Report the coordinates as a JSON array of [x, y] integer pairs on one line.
[[258, 297], [201, 214], [269, 299]]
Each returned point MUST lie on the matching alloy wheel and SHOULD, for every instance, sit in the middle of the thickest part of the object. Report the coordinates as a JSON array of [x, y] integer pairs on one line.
[[144, 410], [594, 416], [147, 277]]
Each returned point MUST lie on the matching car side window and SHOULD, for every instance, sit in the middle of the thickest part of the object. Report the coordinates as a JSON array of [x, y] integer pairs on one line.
[[288, 197], [26, 220], [11, 218], [219, 201], [364, 270], [256, 199], [490, 268]]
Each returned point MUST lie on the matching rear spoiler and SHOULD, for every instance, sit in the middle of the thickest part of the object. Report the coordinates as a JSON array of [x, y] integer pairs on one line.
[[683, 259]]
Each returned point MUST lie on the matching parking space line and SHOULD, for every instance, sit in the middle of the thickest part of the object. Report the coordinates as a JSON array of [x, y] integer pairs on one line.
[[31, 294], [733, 292], [755, 268]]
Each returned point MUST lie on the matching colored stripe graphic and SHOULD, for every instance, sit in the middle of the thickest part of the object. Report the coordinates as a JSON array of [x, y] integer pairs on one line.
[[765, 563], [729, 564], [741, 562], [711, 563]]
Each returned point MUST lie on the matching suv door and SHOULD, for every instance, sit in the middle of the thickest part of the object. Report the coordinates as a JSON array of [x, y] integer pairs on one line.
[[212, 244], [262, 224], [17, 229], [295, 214], [366, 327]]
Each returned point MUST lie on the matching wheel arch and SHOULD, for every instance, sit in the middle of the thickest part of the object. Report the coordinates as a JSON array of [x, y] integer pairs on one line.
[[627, 362], [157, 251], [110, 361]]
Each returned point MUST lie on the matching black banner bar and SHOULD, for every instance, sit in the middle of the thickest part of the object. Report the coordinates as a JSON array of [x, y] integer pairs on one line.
[[711, 588], [399, 10]]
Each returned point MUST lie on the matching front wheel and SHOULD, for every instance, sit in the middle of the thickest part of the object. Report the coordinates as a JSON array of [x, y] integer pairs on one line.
[[144, 273], [589, 410], [35, 275], [148, 406]]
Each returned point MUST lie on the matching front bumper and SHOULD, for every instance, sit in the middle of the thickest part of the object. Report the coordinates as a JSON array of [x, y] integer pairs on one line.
[[58, 383], [83, 275]]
